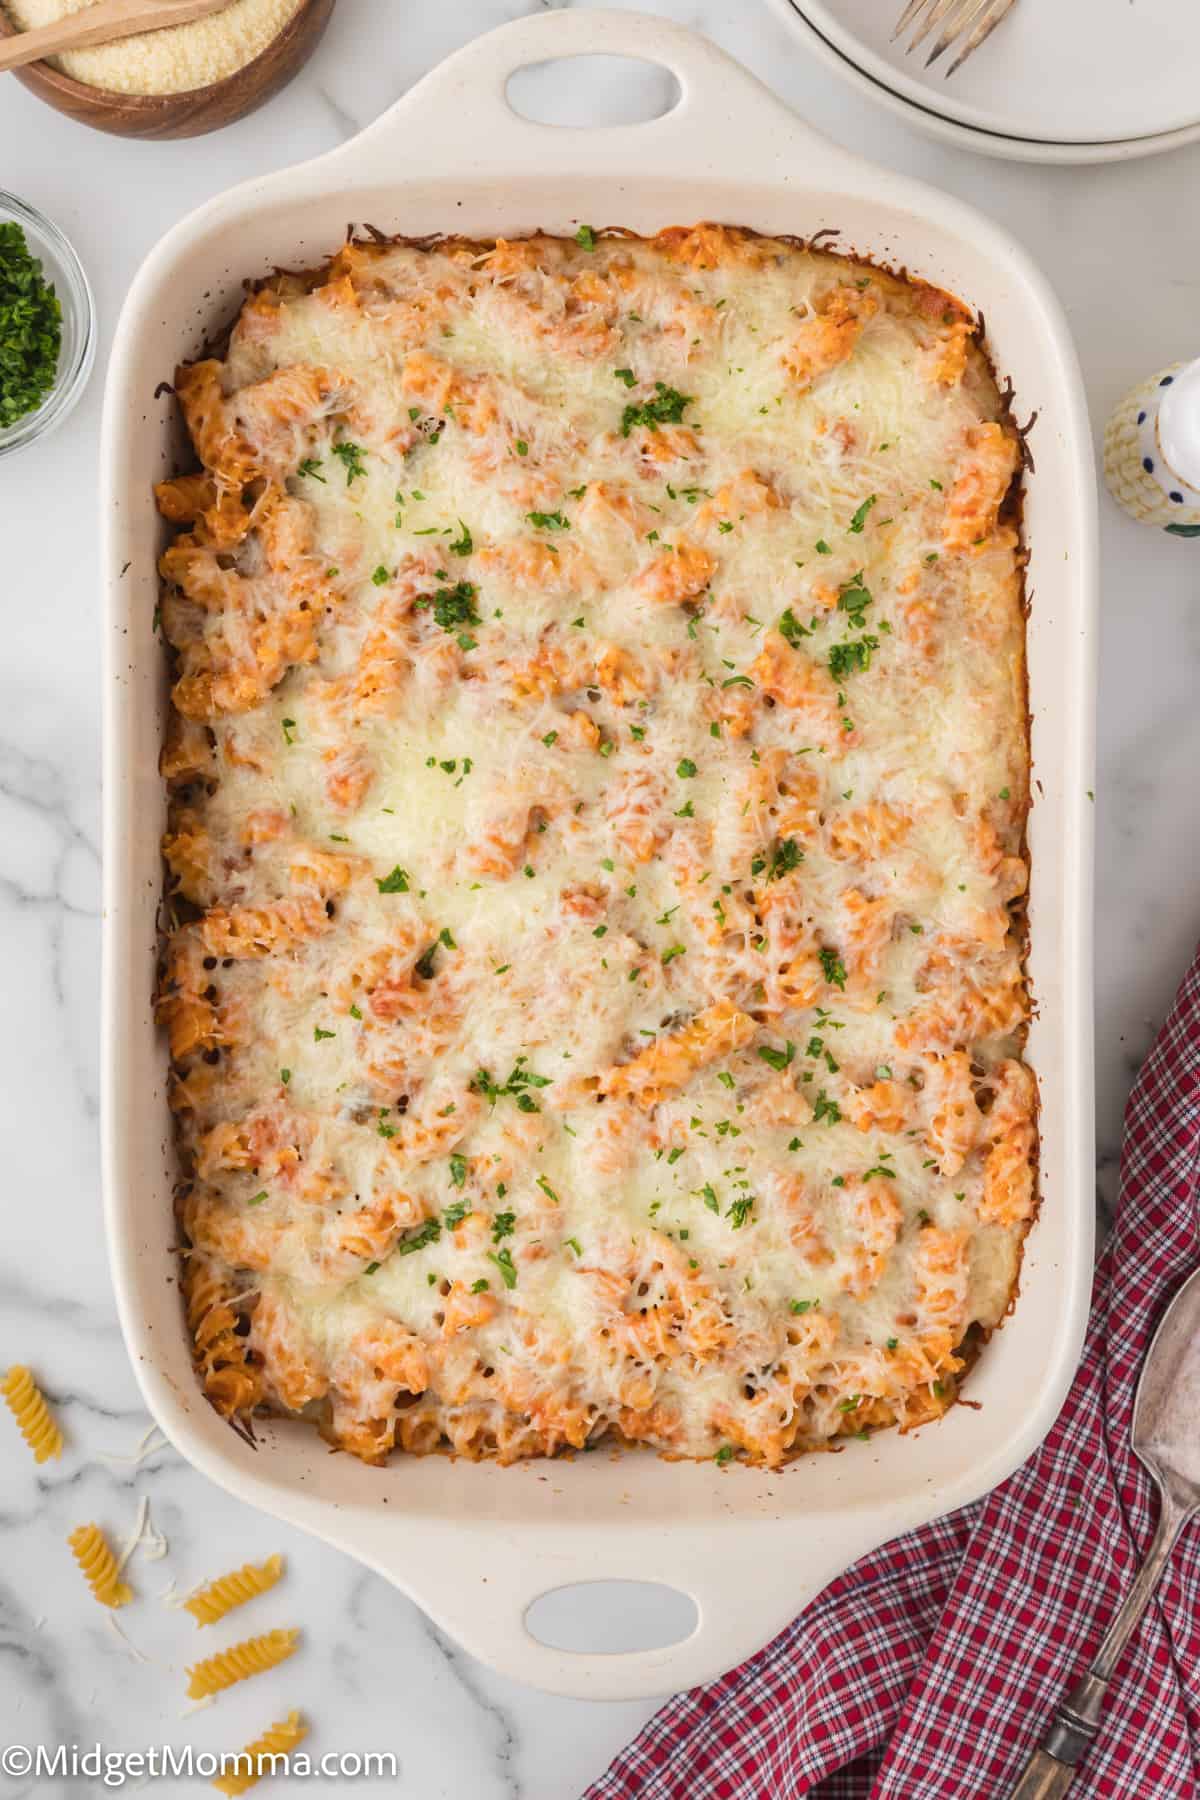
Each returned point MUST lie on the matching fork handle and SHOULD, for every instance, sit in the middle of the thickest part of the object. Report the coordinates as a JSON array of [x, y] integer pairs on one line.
[[1051, 1769]]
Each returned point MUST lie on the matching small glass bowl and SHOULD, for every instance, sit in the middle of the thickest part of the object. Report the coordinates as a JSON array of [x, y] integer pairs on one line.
[[61, 266]]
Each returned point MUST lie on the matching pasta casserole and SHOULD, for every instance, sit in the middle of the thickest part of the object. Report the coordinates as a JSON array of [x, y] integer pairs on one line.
[[598, 771]]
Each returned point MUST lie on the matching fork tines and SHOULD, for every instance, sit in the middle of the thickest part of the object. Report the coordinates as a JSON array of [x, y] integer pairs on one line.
[[964, 22]]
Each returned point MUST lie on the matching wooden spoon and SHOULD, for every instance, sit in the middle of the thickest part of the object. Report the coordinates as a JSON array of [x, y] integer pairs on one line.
[[101, 24]]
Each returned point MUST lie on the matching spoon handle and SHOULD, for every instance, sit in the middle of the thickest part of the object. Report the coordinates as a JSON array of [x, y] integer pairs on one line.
[[100, 23], [1051, 1769]]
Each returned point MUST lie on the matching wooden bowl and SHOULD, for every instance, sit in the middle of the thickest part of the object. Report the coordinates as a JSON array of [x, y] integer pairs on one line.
[[198, 109]]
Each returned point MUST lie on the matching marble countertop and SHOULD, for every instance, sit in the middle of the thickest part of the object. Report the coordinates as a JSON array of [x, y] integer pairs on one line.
[[374, 1674]]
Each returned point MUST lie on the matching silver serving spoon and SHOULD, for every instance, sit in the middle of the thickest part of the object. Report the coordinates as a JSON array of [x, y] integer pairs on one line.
[[1166, 1440]]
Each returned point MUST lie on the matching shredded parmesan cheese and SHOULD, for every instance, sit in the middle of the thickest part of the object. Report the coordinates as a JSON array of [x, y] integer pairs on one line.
[[150, 1442], [145, 1533], [171, 61]]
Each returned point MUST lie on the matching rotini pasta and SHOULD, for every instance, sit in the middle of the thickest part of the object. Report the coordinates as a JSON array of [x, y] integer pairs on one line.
[[252, 1763], [254, 1656], [597, 792], [99, 1566], [35, 1421], [227, 1591]]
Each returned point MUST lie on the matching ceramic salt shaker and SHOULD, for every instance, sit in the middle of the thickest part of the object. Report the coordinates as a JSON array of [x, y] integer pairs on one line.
[[1152, 451]]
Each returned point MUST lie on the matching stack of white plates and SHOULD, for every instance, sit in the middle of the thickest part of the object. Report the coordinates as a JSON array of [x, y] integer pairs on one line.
[[1063, 81]]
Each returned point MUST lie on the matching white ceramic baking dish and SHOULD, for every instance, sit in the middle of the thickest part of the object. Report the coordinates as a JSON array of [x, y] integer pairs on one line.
[[475, 1544]]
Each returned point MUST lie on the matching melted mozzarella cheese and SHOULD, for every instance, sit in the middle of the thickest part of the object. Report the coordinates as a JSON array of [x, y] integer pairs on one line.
[[649, 716]]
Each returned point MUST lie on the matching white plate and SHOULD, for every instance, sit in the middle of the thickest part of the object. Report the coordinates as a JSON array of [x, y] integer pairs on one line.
[[968, 137], [1059, 71]]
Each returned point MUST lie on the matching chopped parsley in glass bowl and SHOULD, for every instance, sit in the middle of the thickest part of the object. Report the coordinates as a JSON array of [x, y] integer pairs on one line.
[[47, 325]]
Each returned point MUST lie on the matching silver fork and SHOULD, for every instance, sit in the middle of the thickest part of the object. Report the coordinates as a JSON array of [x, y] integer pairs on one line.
[[965, 22]]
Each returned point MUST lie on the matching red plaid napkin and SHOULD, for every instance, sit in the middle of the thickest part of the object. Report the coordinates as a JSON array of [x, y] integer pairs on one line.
[[930, 1669]]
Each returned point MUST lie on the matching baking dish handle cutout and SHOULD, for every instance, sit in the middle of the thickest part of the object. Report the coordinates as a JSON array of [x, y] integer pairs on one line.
[[623, 91], [719, 110], [741, 1587], [610, 1618]]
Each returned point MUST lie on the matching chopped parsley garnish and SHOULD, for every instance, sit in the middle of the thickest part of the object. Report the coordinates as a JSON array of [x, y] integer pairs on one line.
[[547, 1189], [257, 1199], [454, 606], [666, 408], [289, 725], [585, 237], [628, 377], [824, 1108], [285, 1075], [351, 458], [778, 1059], [724, 1454], [429, 1233], [424, 963], [823, 548], [458, 1169], [319, 1035], [544, 521], [504, 1262], [503, 1225], [854, 599], [463, 544], [380, 576], [461, 1209], [515, 1087], [395, 883], [673, 952], [803, 1306], [480, 1286], [786, 856], [833, 968], [685, 768], [30, 328], [708, 1195], [860, 518], [791, 629], [845, 659], [309, 467], [740, 1211]]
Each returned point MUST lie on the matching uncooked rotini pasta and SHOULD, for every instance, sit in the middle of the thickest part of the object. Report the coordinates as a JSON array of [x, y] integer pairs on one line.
[[34, 1418], [211, 1603], [279, 1739], [252, 1657], [99, 1566]]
